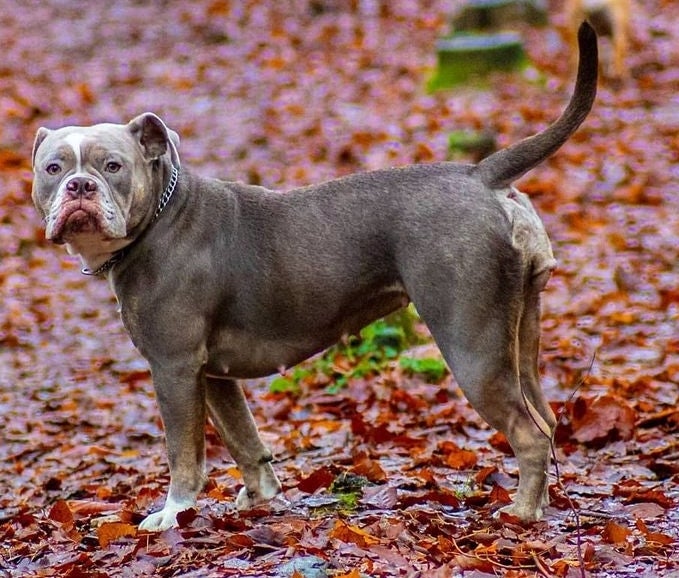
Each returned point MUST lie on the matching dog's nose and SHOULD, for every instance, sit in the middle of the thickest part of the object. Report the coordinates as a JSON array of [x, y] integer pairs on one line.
[[81, 187]]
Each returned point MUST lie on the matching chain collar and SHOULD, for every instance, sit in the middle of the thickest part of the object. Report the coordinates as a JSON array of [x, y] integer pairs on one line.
[[119, 255]]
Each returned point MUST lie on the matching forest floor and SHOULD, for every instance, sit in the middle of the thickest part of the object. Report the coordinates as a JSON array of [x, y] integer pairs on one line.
[[392, 474]]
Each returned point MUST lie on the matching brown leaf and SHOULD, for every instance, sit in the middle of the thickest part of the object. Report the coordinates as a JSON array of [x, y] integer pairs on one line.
[[240, 541], [607, 417], [499, 441], [86, 508], [321, 478], [60, 512], [588, 552], [185, 517], [10, 159], [439, 495], [658, 537], [468, 562], [482, 475], [635, 492], [646, 510], [498, 495]]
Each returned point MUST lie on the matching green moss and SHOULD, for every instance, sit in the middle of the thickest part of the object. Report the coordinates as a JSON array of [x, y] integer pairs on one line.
[[462, 57], [432, 369]]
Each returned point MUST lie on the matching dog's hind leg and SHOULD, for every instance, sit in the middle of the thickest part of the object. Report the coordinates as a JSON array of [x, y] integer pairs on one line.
[[529, 348], [479, 336], [231, 416]]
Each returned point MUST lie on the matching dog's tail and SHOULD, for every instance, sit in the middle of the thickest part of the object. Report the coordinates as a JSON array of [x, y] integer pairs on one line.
[[505, 166]]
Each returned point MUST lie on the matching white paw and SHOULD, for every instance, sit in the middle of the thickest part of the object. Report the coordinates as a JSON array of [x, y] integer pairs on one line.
[[166, 518]]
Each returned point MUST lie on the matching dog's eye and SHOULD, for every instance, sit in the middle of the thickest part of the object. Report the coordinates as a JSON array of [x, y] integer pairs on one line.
[[53, 169], [113, 167]]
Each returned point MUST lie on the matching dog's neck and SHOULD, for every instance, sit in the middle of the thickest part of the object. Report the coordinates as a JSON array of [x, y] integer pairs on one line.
[[117, 255]]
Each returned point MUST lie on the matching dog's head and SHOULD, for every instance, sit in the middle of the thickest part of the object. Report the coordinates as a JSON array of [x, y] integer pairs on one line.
[[94, 185]]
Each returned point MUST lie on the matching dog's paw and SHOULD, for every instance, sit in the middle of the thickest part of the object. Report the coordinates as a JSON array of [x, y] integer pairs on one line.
[[159, 521], [166, 518], [523, 512], [247, 500], [267, 488]]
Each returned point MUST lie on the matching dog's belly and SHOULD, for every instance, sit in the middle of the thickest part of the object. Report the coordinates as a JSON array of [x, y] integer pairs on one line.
[[251, 353], [240, 355]]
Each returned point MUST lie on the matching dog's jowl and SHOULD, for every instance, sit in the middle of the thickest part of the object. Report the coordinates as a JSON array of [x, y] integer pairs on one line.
[[218, 280]]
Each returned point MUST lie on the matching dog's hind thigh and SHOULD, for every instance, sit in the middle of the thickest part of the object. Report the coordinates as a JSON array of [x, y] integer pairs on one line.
[[479, 338], [231, 416]]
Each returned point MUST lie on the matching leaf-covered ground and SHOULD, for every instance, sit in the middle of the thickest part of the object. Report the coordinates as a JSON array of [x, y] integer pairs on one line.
[[392, 475]]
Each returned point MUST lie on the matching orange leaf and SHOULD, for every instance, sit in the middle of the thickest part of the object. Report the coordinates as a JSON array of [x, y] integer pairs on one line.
[[352, 534], [663, 539], [615, 533], [107, 533], [461, 459], [371, 469]]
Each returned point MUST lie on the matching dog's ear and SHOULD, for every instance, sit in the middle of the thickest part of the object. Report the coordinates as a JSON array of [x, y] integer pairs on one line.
[[154, 137], [40, 136]]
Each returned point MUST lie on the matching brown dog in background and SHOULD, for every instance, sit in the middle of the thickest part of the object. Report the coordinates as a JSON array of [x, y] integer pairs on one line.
[[609, 18]]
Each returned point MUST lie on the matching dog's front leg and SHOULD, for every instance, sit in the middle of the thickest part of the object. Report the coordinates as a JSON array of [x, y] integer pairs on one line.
[[180, 390], [230, 413]]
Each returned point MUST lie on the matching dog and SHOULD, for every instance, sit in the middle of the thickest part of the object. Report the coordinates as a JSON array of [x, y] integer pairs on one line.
[[218, 281], [609, 18]]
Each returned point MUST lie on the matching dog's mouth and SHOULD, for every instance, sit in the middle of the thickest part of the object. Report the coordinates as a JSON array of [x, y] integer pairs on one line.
[[76, 218]]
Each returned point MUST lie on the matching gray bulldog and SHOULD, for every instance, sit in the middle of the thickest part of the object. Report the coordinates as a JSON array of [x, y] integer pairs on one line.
[[219, 281]]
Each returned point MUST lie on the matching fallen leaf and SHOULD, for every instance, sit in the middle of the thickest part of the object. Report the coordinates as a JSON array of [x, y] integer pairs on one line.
[[350, 533], [320, 478], [107, 533], [604, 418], [60, 512], [614, 533]]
